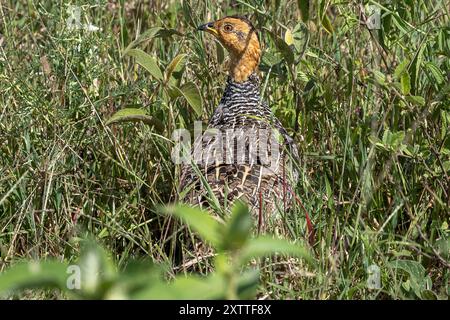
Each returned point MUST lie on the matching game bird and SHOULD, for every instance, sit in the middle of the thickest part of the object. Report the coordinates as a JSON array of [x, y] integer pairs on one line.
[[246, 153]]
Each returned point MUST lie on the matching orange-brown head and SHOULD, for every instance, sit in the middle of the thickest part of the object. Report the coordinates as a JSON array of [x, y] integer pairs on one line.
[[239, 37]]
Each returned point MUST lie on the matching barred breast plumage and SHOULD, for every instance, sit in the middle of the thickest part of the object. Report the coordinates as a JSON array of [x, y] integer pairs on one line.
[[259, 183]]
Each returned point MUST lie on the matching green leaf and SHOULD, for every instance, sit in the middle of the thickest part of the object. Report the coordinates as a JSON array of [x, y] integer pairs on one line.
[[283, 47], [379, 77], [405, 82], [201, 221], [147, 35], [443, 247], [97, 269], [248, 284], [147, 61], [173, 92], [134, 115], [392, 140], [175, 65], [435, 71], [401, 24], [192, 94], [185, 288], [323, 17], [155, 32], [418, 100], [417, 274], [401, 68], [43, 274], [238, 227], [428, 295], [303, 5], [300, 36], [138, 275], [326, 23], [266, 246]]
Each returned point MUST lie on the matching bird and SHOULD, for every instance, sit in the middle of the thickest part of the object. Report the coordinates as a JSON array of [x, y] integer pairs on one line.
[[245, 154]]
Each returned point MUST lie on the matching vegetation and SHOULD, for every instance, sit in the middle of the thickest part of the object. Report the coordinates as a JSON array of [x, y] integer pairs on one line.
[[95, 276], [367, 103]]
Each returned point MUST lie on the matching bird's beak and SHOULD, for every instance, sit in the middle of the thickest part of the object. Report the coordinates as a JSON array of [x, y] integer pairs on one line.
[[208, 27]]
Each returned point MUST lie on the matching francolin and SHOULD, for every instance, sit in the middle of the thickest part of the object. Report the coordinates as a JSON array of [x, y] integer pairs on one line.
[[246, 153]]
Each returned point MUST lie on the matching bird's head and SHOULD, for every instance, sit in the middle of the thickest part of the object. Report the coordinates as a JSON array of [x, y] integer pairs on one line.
[[239, 37]]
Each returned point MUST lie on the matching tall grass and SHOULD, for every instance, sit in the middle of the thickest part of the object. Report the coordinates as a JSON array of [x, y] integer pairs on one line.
[[369, 109]]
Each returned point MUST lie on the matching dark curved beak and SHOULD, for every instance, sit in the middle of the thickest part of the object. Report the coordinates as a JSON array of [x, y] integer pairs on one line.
[[208, 27], [205, 26]]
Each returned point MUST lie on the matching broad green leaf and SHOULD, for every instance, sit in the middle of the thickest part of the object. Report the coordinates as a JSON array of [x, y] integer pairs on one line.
[[443, 247], [283, 47], [138, 275], [173, 91], [237, 228], [34, 274], [213, 286], [134, 115], [270, 59], [155, 32], [190, 91], [379, 77], [175, 65], [418, 281], [405, 82], [266, 246], [200, 221], [300, 36], [303, 5], [428, 295], [147, 61], [147, 35], [413, 268], [185, 288], [401, 68], [248, 284], [392, 140]]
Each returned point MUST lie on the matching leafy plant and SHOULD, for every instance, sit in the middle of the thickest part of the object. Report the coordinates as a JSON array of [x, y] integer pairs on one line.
[[95, 276], [169, 81]]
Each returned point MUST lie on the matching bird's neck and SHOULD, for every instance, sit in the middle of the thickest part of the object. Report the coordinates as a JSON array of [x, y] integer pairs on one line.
[[242, 92], [244, 64]]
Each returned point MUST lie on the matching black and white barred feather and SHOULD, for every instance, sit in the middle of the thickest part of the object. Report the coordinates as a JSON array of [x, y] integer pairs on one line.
[[262, 177]]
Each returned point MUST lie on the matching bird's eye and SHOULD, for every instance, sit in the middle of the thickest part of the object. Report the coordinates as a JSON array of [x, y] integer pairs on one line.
[[228, 27]]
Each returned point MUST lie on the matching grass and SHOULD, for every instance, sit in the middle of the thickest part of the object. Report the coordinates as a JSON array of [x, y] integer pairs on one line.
[[369, 109]]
